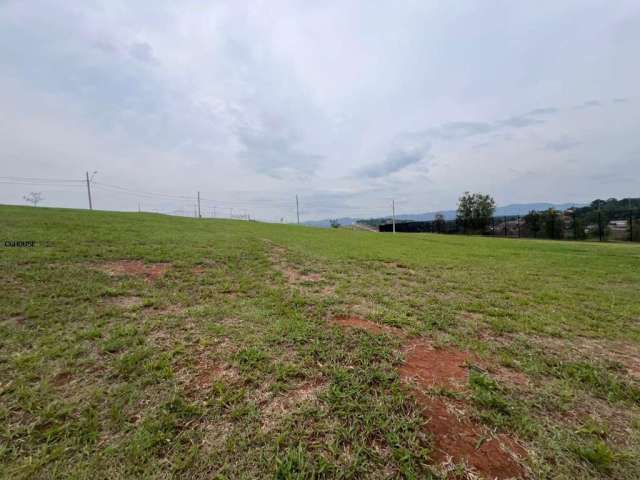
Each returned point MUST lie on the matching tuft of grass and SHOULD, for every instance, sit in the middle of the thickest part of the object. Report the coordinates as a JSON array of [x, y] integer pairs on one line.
[[597, 453]]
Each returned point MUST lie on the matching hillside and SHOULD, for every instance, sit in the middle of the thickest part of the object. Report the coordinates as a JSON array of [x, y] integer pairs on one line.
[[147, 346]]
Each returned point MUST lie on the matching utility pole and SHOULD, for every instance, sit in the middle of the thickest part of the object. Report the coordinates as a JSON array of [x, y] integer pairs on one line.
[[199, 215], [214, 212], [139, 207], [393, 209], [298, 209], [89, 191]]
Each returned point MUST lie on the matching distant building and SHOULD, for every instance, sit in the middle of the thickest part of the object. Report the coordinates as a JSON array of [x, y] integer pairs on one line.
[[619, 225]]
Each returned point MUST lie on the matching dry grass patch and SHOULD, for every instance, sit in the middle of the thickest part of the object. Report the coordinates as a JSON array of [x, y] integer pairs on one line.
[[125, 301], [293, 275], [279, 406], [135, 268], [347, 321], [607, 351]]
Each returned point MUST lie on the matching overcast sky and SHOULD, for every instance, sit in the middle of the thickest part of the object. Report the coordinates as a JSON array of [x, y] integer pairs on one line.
[[347, 104]]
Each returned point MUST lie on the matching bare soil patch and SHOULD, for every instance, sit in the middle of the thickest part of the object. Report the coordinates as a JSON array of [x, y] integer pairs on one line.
[[459, 441], [457, 438], [135, 268], [368, 325], [435, 367]]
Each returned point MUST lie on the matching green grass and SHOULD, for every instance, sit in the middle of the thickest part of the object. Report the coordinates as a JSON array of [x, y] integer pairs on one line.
[[226, 366]]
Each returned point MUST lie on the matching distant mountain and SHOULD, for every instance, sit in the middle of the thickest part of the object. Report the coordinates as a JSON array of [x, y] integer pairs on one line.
[[513, 209], [326, 223], [524, 208]]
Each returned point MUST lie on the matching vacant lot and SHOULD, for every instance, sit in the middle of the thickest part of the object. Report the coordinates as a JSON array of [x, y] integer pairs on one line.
[[138, 345]]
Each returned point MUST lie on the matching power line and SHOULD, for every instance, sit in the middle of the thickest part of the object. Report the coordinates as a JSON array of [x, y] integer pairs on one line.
[[43, 179], [317, 208], [141, 192], [43, 184]]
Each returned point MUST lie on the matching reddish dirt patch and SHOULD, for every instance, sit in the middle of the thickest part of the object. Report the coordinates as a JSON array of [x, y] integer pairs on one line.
[[136, 268], [369, 326], [435, 367], [459, 441]]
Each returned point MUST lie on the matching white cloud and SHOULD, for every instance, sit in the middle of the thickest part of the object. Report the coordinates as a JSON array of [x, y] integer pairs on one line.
[[255, 103]]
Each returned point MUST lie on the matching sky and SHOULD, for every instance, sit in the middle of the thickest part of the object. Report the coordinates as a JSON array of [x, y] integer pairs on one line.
[[347, 104]]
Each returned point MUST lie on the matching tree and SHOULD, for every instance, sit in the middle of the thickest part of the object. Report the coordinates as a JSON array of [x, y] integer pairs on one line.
[[475, 211], [553, 224], [578, 226], [533, 223], [439, 223], [334, 223], [34, 197]]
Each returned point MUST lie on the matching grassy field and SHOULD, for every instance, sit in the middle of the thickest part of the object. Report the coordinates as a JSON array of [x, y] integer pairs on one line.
[[139, 345]]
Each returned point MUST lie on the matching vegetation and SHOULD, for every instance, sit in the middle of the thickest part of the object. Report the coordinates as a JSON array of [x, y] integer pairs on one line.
[[606, 210], [147, 346], [475, 211], [439, 223], [33, 198], [376, 222], [547, 224]]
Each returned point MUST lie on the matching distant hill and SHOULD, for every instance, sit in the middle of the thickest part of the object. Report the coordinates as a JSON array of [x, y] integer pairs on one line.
[[512, 209]]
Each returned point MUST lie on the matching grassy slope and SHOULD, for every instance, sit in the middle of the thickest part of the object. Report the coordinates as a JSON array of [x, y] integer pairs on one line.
[[91, 386]]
